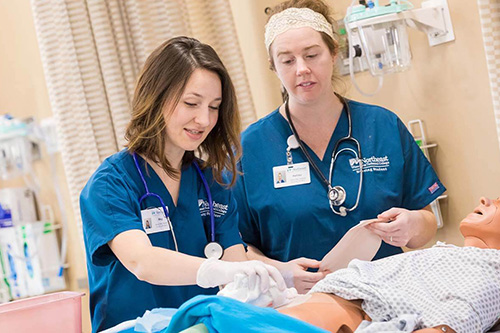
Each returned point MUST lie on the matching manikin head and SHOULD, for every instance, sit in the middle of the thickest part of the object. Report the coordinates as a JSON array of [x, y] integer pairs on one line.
[[481, 228]]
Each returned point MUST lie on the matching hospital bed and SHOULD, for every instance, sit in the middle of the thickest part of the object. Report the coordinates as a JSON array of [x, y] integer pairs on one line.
[[204, 314]]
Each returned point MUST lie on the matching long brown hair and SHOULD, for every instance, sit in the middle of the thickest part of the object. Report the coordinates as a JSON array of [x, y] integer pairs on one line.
[[160, 84]]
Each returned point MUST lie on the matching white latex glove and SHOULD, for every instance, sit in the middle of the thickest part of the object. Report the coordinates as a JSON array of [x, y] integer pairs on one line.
[[214, 272], [297, 275]]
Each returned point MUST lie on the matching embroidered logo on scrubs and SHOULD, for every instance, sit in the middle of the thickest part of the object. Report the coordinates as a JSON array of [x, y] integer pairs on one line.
[[371, 164], [219, 209]]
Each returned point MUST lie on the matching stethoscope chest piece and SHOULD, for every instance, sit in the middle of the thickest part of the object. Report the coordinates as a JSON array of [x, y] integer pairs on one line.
[[336, 195], [213, 250]]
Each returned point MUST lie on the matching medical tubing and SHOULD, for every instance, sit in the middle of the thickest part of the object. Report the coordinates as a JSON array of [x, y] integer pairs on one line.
[[334, 159], [210, 202], [349, 122], [360, 181], [64, 216], [406, 2], [351, 57], [360, 159], [24, 162], [32, 182], [308, 157], [359, 156]]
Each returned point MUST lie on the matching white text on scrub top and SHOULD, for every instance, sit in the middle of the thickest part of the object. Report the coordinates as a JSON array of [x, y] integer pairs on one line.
[[219, 209], [371, 164]]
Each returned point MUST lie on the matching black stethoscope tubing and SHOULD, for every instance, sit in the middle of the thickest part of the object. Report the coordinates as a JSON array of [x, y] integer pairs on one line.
[[335, 153]]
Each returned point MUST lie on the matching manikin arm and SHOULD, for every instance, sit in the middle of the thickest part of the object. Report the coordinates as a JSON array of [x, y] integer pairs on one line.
[[481, 229], [336, 314], [426, 227], [410, 228]]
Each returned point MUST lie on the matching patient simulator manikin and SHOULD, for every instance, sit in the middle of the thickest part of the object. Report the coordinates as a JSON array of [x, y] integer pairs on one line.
[[446, 288]]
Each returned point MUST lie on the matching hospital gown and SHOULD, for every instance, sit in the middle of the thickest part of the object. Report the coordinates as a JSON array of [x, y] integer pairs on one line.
[[444, 285]]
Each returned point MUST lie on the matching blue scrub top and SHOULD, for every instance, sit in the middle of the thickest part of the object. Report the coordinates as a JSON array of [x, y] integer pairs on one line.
[[296, 221], [109, 205]]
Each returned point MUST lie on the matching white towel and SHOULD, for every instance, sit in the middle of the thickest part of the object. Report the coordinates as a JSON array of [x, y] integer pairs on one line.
[[247, 290]]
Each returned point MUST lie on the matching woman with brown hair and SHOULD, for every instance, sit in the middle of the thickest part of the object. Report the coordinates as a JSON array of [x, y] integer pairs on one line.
[[343, 161], [153, 211]]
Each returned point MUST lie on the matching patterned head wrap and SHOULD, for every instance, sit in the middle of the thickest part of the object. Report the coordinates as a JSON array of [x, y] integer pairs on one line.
[[293, 18]]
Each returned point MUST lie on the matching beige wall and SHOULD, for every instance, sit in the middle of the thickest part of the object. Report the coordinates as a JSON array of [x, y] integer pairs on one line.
[[249, 18], [447, 87], [23, 93]]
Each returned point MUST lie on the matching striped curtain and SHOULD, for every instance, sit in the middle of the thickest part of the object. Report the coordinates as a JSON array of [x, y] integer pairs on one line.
[[92, 52], [489, 11]]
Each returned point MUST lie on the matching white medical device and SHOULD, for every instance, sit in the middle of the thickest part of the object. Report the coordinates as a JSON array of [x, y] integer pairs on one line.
[[378, 33], [25, 242]]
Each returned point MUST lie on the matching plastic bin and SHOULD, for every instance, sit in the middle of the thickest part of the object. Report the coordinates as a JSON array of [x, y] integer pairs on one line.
[[57, 312]]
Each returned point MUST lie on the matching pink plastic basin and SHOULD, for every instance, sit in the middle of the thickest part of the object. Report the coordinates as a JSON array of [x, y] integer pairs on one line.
[[57, 312]]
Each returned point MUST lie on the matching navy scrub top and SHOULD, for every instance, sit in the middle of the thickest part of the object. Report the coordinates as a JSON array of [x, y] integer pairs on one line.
[[296, 221], [110, 205]]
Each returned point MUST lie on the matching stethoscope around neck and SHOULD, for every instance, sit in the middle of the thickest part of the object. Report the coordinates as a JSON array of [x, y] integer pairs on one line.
[[336, 194], [212, 249]]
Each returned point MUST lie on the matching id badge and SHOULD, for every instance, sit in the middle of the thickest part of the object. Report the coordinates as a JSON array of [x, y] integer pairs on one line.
[[154, 220], [291, 175]]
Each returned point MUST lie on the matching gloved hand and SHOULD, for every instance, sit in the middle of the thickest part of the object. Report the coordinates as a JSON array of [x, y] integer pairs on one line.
[[298, 276], [214, 272]]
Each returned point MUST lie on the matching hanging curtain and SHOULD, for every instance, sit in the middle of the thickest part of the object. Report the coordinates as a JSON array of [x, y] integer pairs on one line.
[[92, 52], [489, 11]]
